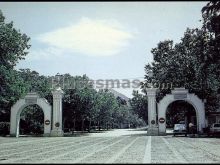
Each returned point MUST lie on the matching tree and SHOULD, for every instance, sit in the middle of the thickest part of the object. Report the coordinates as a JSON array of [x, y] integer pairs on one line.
[[193, 63], [211, 17], [190, 63], [139, 105], [107, 105], [211, 24], [78, 102], [13, 47], [34, 82]]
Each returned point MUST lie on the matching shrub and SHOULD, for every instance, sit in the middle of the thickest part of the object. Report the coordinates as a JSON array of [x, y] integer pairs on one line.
[[4, 128]]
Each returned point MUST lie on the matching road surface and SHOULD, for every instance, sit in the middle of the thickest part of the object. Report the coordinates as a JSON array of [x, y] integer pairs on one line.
[[115, 146]]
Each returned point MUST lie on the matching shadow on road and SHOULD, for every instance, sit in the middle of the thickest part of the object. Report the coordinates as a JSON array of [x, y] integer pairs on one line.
[[138, 129], [139, 134]]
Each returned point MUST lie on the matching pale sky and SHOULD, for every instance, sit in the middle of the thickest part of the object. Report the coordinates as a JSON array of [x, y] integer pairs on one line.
[[104, 40]]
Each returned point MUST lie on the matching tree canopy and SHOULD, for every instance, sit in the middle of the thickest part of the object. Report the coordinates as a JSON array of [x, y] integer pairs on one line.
[[193, 63], [13, 47]]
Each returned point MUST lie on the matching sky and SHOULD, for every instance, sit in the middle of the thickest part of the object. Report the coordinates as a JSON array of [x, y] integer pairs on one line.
[[104, 40]]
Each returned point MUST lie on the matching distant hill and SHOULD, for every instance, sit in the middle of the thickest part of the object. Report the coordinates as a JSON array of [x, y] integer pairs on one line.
[[117, 94]]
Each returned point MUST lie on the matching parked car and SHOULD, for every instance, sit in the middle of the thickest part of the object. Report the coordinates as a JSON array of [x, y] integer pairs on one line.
[[179, 129], [214, 129]]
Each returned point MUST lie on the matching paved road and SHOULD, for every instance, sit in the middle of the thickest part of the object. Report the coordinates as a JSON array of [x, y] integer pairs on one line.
[[118, 146], [120, 132]]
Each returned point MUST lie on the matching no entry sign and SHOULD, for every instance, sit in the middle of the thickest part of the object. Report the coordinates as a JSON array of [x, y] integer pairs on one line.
[[47, 122], [161, 120]]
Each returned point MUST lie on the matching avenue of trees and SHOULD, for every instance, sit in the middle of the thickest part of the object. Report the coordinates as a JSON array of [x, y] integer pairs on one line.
[[193, 63], [83, 108]]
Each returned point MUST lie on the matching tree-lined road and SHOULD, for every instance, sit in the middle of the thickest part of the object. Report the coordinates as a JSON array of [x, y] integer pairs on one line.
[[115, 146]]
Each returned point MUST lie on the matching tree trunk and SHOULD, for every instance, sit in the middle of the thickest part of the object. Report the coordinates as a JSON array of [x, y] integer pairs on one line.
[[89, 124], [74, 126], [99, 125], [82, 128]]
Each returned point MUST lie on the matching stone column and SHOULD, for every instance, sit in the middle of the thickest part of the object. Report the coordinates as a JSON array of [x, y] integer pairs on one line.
[[57, 113], [152, 120]]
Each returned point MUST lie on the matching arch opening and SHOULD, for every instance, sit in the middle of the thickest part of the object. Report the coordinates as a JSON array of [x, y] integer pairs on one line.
[[180, 111], [31, 121]]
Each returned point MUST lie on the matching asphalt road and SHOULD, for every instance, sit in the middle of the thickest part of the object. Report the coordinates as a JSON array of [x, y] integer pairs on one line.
[[115, 146]]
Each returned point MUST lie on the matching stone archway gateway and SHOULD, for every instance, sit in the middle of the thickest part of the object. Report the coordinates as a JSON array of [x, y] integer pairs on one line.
[[176, 94], [30, 99], [54, 123]]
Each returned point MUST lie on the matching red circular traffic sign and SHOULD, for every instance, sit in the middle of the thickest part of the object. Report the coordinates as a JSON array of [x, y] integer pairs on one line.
[[161, 120], [47, 122]]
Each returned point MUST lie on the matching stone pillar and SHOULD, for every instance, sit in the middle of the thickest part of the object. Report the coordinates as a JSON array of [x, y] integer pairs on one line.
[[57, 113], [152, 115]]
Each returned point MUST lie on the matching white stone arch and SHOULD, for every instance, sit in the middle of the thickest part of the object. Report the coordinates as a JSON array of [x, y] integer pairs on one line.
[[181, 94], [30, 99]]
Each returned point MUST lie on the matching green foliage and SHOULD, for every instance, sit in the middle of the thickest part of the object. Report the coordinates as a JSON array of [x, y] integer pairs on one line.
[[32, 120], [139, 105], [13, 44], [34, 82], [13, 47], [11, 88], [193, 63], [211, 17], [80, 103], [83, 104]]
